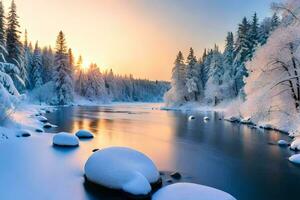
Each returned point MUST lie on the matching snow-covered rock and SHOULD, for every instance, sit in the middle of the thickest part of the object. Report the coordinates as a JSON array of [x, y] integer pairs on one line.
[[84, 134], [190, 191], [65, 139], [267, 126], [122, 168], [205, 118], [246, 120], [282, 143], [39, 130], [295, 159], [42, 118], [48, 125], [293, 134], [233, 119], [192, 117], [295, 145]]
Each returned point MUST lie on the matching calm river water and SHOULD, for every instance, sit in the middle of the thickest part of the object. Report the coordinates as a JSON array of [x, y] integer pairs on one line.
[[216, 153]]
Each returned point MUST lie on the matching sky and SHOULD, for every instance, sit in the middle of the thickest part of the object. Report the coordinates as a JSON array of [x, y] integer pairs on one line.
[[139, 37]]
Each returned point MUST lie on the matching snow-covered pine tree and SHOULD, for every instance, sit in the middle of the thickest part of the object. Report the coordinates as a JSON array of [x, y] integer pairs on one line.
[[48, 64], [95, 88], [213, 90], [28, 55], [253, 36], [14, 46], [228, 59], [37, 67], [192, 76], [63, 75], [2, 30], [178, 91], [242, 53], [80, 78]]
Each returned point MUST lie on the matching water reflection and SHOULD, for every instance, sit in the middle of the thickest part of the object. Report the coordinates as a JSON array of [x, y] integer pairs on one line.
[[231, 157]]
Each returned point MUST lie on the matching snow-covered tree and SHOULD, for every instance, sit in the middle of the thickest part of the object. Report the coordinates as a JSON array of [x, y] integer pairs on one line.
[[14, 46], [178, 92], [37, 67], [48, 64], [95, 87], [2, 28], [192, 76], [62, 75]]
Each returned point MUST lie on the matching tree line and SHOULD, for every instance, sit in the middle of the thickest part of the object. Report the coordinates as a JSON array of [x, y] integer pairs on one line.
[[53, 75], [217, 75]]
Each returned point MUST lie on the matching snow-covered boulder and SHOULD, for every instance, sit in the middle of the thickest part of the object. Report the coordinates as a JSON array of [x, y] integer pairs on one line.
[[295, 145], [282, 143], [205, 118], [295, 159], [42, 119], [84, 134], [190, 191], [192, 117], [123, 169], [65, 139]]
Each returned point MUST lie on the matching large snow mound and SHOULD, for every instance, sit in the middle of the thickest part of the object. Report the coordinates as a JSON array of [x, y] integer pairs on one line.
[[296, 144], [295, 159], [122, 168], [65, 139], [84, 134], [190, 191]]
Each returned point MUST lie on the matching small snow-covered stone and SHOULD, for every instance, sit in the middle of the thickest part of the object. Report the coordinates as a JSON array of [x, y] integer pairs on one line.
[[282, 143], [295, 145], [48, 125], [42, 119], [39, 130], [190, 191], [205, 118], [84, 134], [246, 120], [65, 139], [192, 117], [122, 168], [176, 175], [295, 159]]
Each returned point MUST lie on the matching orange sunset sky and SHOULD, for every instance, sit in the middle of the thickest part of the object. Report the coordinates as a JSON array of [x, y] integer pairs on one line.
[[141, 37]]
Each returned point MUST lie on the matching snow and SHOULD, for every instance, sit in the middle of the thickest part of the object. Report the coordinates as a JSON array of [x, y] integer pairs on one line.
[[295, 159], [122, 168], [295, 145], [190, 191], [65, 139], [84, 134]]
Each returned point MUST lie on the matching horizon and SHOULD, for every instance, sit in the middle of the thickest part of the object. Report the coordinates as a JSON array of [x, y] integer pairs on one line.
[[111, 39]]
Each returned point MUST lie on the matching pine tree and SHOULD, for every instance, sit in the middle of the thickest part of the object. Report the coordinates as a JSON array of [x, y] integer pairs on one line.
[[274, 22], [63, 74], [2, 24], [48, 64], [253, 36], [37, 67], [95, 84], [80, 78], [242, 54], [179, 79], [14, 46], [192, 76], [28, 54]]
